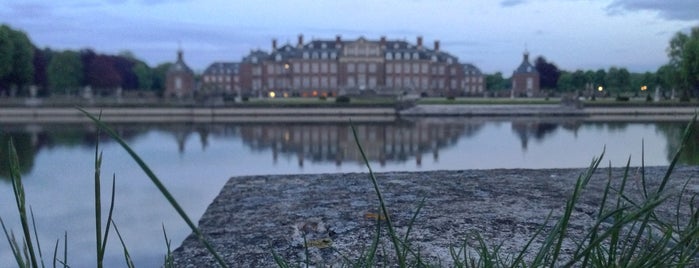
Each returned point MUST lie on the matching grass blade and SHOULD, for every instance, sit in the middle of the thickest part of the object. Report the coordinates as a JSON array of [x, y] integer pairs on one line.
[[161, 187]]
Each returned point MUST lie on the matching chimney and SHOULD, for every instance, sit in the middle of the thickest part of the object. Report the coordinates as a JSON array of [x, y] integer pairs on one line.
[[338, 39], [274, 45], [419, 42], [300, 44], [179, 54], [383, 41], [436, 45]]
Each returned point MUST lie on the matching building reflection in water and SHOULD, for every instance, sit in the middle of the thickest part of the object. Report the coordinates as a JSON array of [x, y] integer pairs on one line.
[[383, 143]]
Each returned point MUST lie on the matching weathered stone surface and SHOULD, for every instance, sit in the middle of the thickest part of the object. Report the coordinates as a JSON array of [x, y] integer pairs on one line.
[[256, 215]]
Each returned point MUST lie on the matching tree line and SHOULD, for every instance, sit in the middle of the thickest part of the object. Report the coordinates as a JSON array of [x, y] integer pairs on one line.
[[681, 73], [67, 72]]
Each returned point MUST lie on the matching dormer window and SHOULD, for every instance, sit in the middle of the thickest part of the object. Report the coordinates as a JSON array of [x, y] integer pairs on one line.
[[389, 56], [254, 59], [305, 55], [416, 56], [434, 58], [278, 57], [333, 55], [324, 55], [324, 46], [395, 46], [449, 61], [398, 56]]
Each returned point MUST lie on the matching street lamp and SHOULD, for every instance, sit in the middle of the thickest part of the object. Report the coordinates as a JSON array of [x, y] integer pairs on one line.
[[600, 88]]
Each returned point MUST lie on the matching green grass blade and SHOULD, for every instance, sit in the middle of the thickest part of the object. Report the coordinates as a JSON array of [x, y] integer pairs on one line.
[[16, 252], [55, 253], [109, 217], [18, 190], [389, 223], [161, 187], [98, 202], [36, 237], [169, 260], [127, 256]]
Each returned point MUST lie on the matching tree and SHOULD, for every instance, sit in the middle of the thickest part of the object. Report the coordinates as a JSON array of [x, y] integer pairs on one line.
[[22, 72], [548, 73], [159, 76], [565, 82], [144, 74], [16, 56], [65, 71], [578, 80], [618, 79], [684, 57], [495, 82], [101, 73]]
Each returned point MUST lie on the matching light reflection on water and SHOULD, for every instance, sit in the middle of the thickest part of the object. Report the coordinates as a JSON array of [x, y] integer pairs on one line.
[[194, 161]]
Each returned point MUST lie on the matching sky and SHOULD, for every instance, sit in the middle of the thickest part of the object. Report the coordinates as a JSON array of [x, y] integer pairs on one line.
[[492, 34]]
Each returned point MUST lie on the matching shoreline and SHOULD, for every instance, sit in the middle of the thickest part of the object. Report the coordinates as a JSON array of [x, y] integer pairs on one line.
[[338, 114]]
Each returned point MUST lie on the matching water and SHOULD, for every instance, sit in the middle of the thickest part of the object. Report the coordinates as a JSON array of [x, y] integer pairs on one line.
[[195, 160]]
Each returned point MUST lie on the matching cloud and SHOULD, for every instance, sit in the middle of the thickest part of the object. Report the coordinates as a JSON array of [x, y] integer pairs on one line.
[[511, 3], [685, 10]]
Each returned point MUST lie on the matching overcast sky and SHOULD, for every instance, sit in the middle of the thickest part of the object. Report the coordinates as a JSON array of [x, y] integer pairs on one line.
[[492, 34]]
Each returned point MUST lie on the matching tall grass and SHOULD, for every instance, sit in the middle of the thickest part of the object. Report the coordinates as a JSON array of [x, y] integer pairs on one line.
[[28, 255]]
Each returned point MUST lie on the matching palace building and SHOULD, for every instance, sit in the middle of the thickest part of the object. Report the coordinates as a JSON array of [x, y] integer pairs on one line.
[[337, 67]]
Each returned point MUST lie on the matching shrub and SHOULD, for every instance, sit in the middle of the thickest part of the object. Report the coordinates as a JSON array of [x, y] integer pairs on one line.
[[342, 99], [622, 98], [451, 98]]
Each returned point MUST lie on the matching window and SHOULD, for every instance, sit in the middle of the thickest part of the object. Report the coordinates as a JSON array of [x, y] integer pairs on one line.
[[306, 67], [350, 67], [306, 81], [324, 81], [297, 82], [305, 54], [425, 67], [389, 68], [270, 69], [324, 55], [278, 57], [333, 68], [333, 81], [297, 66], [372, 67], [530, 83], [333, 55], [372, 82], [314, 82], [350, 81], [314, 67], [254, 59], [416, 68], [399, 68], [389, 82], [398, 56], [389, 56], [361, 67], [324, 67]]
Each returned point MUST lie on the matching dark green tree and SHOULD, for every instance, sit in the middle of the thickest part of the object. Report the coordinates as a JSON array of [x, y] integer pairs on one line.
[[159, 76], [548, 73], [144, 74], [565, 82], [16, 61], [65, 72], [495, 82]]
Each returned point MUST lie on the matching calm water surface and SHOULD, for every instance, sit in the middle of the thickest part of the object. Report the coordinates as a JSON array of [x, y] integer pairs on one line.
[[194, 161]]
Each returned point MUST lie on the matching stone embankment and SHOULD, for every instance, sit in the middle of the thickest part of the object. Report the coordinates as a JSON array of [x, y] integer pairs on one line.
[[254, 216], [335, 114], [197, 115]]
